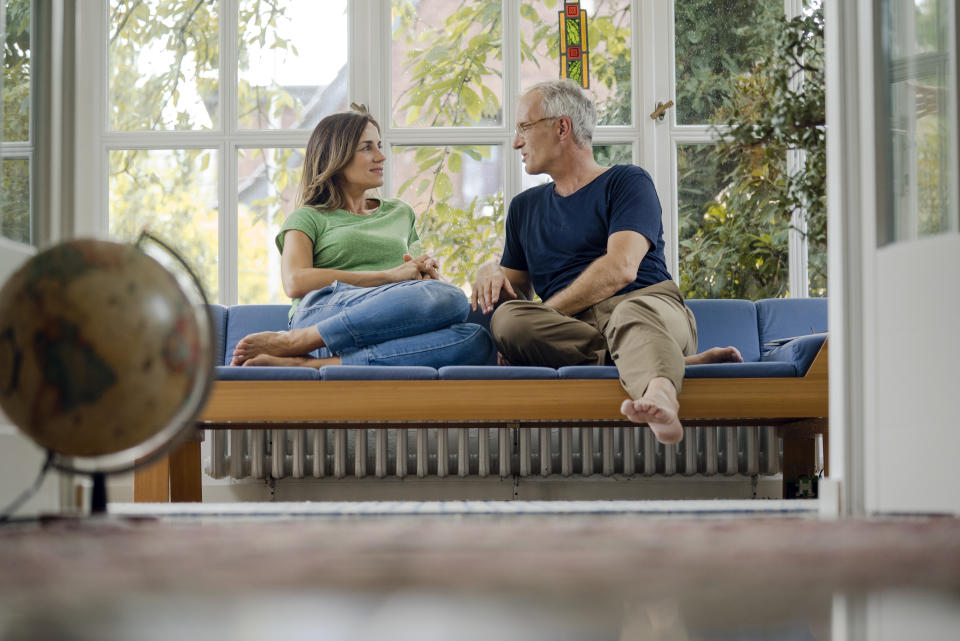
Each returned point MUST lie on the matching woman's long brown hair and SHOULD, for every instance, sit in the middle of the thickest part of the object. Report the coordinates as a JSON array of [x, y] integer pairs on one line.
[[332, 146]]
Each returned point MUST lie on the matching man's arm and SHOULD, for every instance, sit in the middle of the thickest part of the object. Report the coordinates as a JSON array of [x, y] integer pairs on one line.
[[494, 282], [605, 276]]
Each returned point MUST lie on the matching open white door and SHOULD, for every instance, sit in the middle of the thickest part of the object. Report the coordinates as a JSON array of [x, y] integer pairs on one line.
[[913, 408], [894, 206]]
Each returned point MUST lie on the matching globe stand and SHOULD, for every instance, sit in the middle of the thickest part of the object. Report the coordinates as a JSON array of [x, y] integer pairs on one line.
[[98, 494], [164, 309]]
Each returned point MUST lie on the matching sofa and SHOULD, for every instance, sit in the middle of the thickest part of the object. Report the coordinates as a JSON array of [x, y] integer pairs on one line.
[[781, 385]]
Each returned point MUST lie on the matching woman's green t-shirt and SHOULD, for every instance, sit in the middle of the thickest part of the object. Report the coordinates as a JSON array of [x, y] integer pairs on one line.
[[356, 242]]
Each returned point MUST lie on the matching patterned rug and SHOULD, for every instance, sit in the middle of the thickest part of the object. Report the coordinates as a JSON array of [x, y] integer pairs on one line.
[[577, 568], [592, 554]]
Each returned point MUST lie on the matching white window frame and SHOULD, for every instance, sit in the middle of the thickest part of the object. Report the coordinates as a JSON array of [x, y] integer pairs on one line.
[[23, 149], [653, 142]]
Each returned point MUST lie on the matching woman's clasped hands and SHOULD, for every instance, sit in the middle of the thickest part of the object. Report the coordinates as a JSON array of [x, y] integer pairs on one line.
[[419, 268]]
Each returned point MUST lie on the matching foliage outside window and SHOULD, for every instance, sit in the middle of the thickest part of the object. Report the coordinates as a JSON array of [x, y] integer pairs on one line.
[[450, 71], [15, 142], [174, 194], [165, 80], [735, 243]]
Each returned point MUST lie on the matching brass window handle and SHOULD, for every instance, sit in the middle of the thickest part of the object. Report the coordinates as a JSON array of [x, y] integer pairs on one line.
[[661, 110]]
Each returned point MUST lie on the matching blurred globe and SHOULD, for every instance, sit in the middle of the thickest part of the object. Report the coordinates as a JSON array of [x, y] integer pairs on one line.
[[100, 348]]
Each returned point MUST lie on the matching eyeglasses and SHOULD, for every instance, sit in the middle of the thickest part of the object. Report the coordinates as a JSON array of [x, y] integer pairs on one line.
[[524, 127]]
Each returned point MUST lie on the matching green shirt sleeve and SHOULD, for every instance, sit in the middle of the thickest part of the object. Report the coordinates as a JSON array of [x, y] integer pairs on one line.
[[415, 247], [305, 219]]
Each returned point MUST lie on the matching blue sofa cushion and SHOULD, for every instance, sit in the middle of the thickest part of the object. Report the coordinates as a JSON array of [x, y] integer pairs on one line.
[[714, 370], [483, 320], [248, 319], [376, 373], [800, 351], [589, 372], [727, 322], [257, 373], [779, 318], [219, 314], [485, 372], [742, 370]]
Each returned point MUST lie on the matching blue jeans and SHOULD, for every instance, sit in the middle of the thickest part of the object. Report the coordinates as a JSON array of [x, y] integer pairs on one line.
[[414, 322]]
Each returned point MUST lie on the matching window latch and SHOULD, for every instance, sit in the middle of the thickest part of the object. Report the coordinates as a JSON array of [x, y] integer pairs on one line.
[[661, 110]]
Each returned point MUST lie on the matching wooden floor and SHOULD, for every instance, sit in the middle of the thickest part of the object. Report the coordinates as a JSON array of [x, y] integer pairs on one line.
[[591, 576]]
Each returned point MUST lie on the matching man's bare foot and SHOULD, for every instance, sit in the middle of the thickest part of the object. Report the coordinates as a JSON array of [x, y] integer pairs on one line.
[[658, 408], [291, 361], [294, 342], [715, 355]]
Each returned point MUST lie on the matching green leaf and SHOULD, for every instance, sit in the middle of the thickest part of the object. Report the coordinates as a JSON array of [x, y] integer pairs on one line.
[[471, 102], [443, 189], [455, 161]]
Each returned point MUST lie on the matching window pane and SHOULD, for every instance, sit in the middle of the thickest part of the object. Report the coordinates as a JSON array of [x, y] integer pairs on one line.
[[730, 246], [817, 256], [608, 59], [173, 193], [447, 63], [17, 63], [163, 65], [267, 193], [457, 193], [716, 42], [609, 155], [920, 86], [15, 215], [293, 63]]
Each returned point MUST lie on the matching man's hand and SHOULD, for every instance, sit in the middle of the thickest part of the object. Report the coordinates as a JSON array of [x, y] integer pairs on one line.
[[428, 266], [490, 283]]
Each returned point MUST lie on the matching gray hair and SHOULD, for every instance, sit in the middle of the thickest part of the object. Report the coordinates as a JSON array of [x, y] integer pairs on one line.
[[564, 97]]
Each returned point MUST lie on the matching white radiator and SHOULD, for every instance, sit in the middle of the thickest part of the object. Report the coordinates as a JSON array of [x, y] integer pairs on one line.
[[490, 451]]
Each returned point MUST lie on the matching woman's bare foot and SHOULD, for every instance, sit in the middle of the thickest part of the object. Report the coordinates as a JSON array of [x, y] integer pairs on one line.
[[715, 355], [294, 342], [291, 361], [657, 408]]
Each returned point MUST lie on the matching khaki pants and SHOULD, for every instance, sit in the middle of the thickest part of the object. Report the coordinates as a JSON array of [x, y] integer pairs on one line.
[[645, 333]]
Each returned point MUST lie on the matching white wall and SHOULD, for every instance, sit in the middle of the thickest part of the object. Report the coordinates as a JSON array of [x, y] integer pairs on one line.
[[20, 459]]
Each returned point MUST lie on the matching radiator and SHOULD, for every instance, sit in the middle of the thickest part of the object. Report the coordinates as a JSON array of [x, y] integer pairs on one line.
[[490, 451]]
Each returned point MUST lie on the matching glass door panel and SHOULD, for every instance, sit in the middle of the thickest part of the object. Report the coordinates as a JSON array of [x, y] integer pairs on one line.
[[921, 93]]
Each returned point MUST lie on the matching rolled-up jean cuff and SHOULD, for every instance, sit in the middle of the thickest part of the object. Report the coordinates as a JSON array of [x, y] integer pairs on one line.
[[355, 357], [335, 334]]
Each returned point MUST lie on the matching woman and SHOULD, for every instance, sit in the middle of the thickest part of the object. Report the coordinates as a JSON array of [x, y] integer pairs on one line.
[[347, 261]]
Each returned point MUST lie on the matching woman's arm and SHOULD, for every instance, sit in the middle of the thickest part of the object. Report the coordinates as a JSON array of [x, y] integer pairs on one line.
[[300, 276]]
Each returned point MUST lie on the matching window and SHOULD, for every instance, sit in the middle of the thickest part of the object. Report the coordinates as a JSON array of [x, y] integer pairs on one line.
[[17, 140], [207, 107], [921, 99], [742, 208], [452, 98]]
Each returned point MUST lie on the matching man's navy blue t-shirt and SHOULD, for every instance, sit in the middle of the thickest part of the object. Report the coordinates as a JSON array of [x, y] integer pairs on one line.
[[555, 238]]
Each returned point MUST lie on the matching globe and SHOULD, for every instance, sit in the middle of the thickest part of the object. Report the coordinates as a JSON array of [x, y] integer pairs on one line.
[[101, 351]]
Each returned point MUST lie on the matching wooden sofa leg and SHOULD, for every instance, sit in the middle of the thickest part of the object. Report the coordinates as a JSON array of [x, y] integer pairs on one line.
[[186, 474], [151, 484], [176, 478], [799, 463]]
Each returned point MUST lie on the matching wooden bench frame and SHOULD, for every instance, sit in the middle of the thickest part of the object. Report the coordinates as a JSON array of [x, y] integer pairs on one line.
[[798, 406]]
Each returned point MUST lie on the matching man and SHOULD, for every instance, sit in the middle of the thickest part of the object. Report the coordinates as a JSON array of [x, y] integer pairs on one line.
[[590, 244]]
